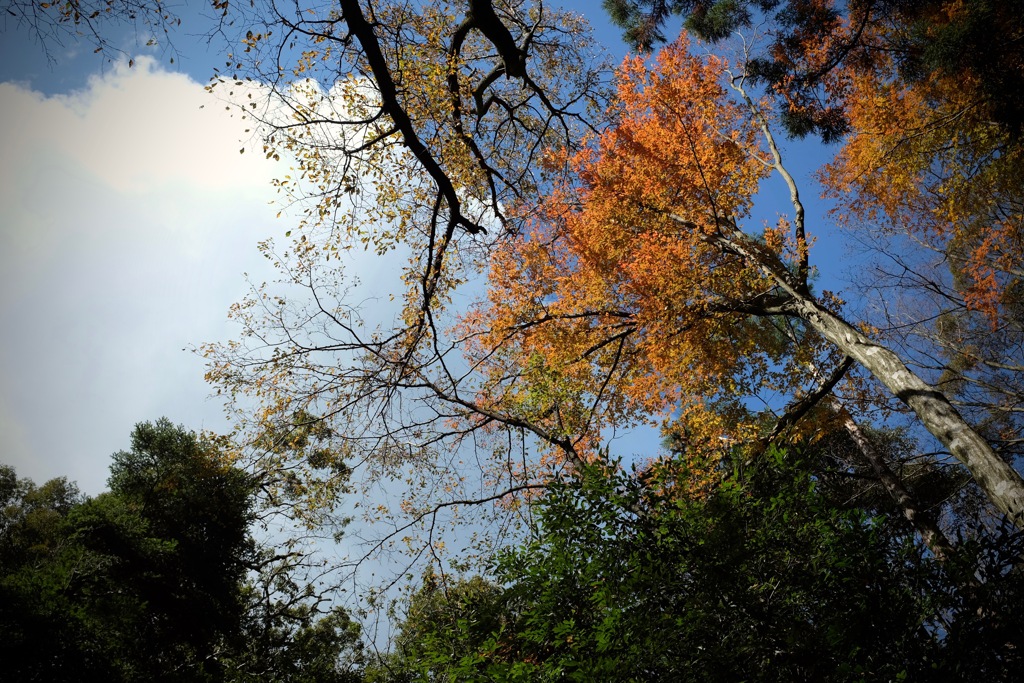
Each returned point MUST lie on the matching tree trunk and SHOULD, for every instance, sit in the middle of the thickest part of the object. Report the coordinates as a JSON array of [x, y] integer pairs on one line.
[[1000, 482], [925, 526]]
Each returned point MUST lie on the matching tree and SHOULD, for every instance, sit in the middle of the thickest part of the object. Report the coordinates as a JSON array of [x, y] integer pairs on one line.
[[151, 579], [187, 495], [768, 578], [925, 159], [924, 90], [814, 46], [445, 624], [36, 559], [649, 244], [421, 130], [286, 638], [625, 284], [126, 573]]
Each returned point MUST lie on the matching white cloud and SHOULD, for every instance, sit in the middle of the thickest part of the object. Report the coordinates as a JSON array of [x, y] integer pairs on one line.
[[128, 218]]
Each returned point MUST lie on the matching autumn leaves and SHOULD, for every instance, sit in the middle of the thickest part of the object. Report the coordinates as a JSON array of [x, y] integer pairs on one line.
[[639, 288], [625, 284]]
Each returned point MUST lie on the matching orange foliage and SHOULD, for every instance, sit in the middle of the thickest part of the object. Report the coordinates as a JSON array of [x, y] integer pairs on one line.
[[925, 157], [609, 310]]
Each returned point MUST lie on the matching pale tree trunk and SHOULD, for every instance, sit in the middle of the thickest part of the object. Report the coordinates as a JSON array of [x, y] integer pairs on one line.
[[922, 522], [1000, 482]]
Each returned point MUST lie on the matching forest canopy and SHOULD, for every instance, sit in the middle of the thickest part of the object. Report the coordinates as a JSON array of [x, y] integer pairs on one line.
[[583, 254], [605, 238]]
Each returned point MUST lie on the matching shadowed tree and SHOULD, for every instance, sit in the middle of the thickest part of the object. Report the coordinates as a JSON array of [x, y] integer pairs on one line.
[[768, 578], [151, 580]]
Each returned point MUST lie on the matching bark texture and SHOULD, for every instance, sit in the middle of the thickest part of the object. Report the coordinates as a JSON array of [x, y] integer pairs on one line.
[[1001, 483]]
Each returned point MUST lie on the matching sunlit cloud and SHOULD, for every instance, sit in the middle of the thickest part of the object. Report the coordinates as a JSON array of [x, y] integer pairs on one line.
[[129, 218]]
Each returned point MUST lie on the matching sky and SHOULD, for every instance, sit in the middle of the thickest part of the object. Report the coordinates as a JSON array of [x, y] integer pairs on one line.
[[128, 220], [128, 223]]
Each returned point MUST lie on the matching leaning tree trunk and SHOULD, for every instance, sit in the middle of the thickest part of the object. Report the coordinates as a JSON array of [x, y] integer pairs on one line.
[[1001, 483], [922, 522]]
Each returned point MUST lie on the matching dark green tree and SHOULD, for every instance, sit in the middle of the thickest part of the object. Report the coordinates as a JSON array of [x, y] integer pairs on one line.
[[190, 498], [768, 578], [289, 640], [158, 579], [445, 625], [140, 583], [982, 39], [44, 637], [763, 580]]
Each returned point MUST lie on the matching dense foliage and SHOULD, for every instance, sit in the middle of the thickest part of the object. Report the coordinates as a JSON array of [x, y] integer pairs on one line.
[[585, 257], [155, 579], [770, 578]]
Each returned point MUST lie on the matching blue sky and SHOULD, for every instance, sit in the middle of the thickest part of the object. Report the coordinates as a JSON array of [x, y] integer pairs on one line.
[[127, 220]]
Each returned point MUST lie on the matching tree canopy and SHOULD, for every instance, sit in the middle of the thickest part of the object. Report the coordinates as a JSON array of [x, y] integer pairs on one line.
[[769, 578], [585, 254], [627, 281], [156, 579]]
